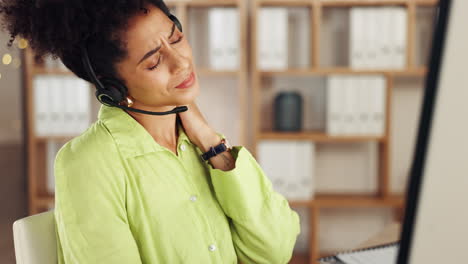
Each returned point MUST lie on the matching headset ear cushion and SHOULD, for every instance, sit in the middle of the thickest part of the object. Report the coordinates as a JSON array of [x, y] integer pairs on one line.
[[105, 97], [115, 88]]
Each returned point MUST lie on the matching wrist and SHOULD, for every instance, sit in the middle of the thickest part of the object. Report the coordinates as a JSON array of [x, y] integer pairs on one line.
[[208, 139]]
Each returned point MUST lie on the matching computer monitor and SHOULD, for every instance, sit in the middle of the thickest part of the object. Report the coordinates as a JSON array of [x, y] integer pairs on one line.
[[435, 227]]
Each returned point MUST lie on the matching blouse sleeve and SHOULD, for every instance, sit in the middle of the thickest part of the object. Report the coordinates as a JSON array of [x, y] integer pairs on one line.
[[90, 212], [263, 226]]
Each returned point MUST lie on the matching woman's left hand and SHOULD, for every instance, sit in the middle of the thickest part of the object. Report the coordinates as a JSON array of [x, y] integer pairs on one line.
[[197, 128]]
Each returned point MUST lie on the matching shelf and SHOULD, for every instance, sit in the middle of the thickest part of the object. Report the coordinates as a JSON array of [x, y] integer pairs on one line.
[[44, 71], [285, 2], [293, 72], [340, 201], [417, 72], [207, 3], [319, 137], [45, 201], [299, 203], [350, 201], [211, 72], [344, 70], [426, 2], [344, 3], [44, 139], [202, 71]]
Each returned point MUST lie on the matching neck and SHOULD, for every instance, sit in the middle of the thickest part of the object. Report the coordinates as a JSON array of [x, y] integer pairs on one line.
[[162, 128]]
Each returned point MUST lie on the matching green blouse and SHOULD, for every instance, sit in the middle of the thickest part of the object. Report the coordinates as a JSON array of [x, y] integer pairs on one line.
[[120, 197]]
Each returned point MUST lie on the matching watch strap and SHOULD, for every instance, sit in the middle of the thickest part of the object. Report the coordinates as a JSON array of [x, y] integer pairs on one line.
[[214, 151]]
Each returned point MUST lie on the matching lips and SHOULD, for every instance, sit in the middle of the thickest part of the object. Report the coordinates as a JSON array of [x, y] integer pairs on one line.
[[188, 82]]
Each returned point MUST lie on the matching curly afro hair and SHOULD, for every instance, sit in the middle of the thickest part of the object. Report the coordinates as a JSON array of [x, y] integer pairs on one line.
[[58, 28]]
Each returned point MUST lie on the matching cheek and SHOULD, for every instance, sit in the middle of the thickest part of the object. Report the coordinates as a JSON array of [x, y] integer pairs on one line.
[[186, 49], [148, 84], [156, 81]]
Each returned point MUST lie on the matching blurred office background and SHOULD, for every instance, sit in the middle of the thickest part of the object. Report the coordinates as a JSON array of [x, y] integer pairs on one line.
[[13, 183], [328, 102]]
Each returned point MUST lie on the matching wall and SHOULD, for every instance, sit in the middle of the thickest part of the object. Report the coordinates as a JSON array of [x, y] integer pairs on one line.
[[13, 196]]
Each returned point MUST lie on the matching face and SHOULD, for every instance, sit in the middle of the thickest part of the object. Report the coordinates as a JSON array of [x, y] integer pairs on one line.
[[159, 59]]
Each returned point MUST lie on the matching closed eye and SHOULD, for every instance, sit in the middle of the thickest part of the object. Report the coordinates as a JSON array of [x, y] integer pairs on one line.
[[159, 60]]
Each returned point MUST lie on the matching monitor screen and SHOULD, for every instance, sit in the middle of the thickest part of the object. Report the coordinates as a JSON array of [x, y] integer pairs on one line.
[[435, 228]]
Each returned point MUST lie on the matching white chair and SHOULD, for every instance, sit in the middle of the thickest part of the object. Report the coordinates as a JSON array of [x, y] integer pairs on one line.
[[34, 239]]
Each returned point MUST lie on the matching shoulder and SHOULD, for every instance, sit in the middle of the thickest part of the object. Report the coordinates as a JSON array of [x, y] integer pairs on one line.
[[88, 170], [94, 149]]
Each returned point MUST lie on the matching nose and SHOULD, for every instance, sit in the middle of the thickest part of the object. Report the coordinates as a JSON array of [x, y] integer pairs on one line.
[[176, 61]]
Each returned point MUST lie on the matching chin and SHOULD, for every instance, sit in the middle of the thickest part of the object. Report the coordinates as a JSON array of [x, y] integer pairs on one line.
[[191, 95], [187, 99]]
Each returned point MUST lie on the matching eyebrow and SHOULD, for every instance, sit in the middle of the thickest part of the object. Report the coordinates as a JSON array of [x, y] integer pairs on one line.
[[151, 52]]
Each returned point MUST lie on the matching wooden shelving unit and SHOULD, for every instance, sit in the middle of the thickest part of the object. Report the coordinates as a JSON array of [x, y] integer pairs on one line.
[[325, 71], [383, 198], [316, 136], [39, 198]]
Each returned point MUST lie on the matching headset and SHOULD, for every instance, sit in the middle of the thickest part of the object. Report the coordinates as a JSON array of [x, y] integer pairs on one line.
[[110, 91]]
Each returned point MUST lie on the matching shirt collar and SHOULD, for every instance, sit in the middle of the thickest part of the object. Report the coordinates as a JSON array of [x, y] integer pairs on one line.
[[130, 136]]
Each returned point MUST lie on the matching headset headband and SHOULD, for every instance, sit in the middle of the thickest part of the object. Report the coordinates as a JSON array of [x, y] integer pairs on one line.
[[88, 67]]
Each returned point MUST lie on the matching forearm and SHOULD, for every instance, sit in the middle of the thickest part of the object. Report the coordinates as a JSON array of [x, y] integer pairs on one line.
[[264, 227]]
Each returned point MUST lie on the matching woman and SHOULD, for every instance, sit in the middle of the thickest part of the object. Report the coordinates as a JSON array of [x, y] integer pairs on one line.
[[132, 188]]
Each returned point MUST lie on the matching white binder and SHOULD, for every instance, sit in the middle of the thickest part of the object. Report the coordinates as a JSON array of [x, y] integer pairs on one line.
[[84, 104], [272, 38], [366, 39], [380, 99], [233, 39], [264, 54], [289, 165], [367, 89], [398, 31], [336, 106], [385, 36], [400, 25], [41, 106], [332, 127], [70, 106], [361, 108], [377, 93], [357, 32], [57, 120], [348, 115], [372, 37], [280, 40], [217, 27]]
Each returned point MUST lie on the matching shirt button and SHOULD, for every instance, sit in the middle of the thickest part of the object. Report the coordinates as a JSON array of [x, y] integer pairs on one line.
[[193, 198], [212, 247], [182, 147]]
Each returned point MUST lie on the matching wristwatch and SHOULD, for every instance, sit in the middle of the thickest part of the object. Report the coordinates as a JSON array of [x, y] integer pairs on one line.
[[222, 147]]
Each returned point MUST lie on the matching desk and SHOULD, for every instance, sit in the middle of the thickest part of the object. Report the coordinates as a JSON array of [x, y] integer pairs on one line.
[[390, 233]]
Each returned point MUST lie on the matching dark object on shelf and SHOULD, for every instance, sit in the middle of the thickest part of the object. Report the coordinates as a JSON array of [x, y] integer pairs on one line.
[[288, 111]]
